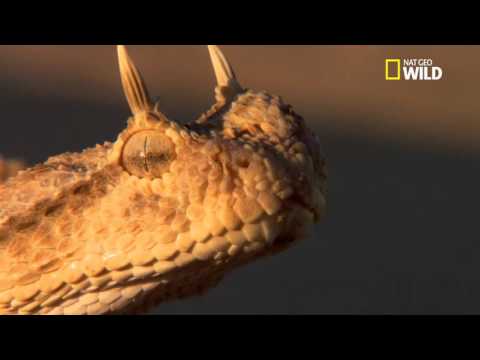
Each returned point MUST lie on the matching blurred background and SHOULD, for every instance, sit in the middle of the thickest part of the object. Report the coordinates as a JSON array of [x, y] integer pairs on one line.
[[401, 236]]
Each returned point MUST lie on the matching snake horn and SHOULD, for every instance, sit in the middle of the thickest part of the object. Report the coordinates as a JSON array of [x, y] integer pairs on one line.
[[226, 78], [133, 84]]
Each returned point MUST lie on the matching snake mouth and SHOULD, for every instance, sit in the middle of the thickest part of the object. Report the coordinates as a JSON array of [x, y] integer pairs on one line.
[[302, 216], [301, 202]]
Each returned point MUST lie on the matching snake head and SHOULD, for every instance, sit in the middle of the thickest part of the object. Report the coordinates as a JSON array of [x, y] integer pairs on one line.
[[248, 176], [165, 210]]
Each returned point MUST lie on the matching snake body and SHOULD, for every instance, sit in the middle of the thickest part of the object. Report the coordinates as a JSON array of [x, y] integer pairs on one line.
[[166, 210]]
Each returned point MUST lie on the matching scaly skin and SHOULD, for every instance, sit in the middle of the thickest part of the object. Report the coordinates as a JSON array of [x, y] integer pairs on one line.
[[87, 234]]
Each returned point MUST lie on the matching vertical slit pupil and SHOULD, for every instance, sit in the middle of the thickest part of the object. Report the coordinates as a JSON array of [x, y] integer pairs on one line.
[[145, 158]]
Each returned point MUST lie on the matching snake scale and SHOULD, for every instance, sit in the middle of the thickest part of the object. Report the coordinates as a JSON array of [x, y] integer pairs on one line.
[[165, 211]]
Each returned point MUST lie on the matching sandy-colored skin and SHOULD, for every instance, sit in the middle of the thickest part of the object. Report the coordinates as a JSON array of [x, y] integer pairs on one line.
[[165, 211]]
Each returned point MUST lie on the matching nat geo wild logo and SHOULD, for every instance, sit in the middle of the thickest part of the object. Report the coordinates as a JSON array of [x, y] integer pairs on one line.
[[412, 69]]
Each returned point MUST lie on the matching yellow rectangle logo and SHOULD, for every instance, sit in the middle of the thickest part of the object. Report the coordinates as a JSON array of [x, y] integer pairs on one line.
[[388, 74]]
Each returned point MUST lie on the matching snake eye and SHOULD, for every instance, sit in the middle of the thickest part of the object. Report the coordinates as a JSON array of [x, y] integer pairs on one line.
[[148, 154]]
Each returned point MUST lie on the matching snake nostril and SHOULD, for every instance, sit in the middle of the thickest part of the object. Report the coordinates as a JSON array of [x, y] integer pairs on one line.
[[243, 163]]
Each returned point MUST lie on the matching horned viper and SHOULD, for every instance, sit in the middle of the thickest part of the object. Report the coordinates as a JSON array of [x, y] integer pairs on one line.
[[164, 211]]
